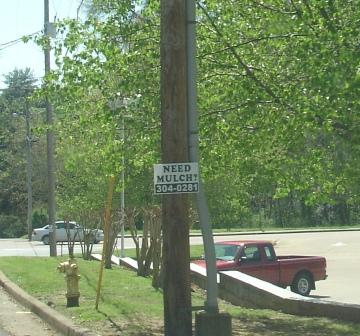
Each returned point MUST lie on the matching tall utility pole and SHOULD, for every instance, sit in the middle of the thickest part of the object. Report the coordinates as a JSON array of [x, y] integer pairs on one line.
[[50, 141], [122, 204], [28, 142], [175, 207]]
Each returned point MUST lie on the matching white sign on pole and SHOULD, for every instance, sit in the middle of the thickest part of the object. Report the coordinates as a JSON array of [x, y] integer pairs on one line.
[[176, 178]]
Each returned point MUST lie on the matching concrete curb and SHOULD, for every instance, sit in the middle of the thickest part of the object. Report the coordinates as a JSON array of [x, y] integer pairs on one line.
[[243, 233], [51, 316]]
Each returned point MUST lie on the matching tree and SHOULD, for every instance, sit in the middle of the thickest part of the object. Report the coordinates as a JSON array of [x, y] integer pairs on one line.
[[282, 76], [13, 195], [84, 88], [277, 91]]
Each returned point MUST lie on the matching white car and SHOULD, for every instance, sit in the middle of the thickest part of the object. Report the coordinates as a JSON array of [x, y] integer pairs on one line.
[[65, 231]]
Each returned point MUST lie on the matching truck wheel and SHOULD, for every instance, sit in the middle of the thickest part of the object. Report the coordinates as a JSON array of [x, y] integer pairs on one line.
[[45, 240], [302, 284]]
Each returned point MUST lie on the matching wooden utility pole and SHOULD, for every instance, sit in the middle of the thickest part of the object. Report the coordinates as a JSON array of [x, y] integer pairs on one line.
[[175, 208], [49, 142], [28, 143]]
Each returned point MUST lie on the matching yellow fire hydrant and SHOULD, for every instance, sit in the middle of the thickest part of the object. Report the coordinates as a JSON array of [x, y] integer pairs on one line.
[[70, 268]]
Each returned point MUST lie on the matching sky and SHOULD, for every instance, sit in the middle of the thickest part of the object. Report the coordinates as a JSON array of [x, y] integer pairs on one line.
[[25, 17]]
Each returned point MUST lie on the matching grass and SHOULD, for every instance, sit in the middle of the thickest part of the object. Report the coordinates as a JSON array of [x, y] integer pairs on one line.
[[266, 228], [196, 252], [278, 228], [129, 305]]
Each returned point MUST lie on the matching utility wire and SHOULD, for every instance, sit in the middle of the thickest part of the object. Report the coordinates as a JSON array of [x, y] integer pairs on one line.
[[16, 41]]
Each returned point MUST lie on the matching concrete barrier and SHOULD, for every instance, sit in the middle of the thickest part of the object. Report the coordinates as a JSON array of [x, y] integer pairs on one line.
[[198, 275], [244, 290], [114, 259]]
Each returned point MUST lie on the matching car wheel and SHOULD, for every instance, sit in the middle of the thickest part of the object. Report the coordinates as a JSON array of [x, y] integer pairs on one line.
[[45, 240], [302, 284]]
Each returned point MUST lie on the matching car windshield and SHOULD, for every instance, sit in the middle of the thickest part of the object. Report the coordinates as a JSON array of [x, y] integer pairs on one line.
[[225, 251]]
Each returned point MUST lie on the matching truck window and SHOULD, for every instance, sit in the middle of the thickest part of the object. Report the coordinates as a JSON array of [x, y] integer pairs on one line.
[[226, 252], [252, 253], [269, 252]]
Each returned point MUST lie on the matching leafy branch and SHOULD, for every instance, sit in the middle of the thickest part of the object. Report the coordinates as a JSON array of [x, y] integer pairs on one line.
[[233, 51]]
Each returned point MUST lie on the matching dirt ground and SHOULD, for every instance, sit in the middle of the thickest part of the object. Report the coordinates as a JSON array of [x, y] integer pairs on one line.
[[15, 320]]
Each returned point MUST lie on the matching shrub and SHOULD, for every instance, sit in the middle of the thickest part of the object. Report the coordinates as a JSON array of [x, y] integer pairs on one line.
[[11, 226]]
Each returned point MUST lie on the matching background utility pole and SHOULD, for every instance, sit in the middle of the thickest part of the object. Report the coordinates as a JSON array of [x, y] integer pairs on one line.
[[28, 142], [176, 250], [122, 203], [50, 141]]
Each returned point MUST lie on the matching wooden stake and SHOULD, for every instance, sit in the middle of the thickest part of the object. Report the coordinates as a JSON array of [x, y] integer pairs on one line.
[[106, 236]]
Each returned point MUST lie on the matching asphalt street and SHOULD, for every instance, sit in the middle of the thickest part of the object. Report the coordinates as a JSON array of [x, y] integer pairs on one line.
[[3, 332], [15, 320]]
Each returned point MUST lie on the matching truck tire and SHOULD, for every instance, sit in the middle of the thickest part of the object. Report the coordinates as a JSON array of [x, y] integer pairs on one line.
[[302, 284], [45, 240]]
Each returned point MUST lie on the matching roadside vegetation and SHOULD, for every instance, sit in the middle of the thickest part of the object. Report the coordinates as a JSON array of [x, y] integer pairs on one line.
[[130, 306], [278, 98], [279, 124]]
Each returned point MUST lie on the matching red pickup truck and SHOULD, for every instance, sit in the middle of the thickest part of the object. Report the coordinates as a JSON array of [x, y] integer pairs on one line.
[[258, 259]]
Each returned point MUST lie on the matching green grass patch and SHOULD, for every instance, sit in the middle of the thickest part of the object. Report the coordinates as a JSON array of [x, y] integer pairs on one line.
[[242, 229], [196, 252], [129, 305]]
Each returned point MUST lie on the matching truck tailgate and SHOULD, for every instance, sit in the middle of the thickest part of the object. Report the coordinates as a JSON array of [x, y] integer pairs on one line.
[[291, 265]]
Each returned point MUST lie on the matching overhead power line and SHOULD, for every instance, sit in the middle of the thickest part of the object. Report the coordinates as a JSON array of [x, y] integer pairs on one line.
[[13, 42]]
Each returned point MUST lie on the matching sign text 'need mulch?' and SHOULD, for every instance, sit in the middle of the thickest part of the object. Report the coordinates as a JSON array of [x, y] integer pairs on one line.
[[175, 178]]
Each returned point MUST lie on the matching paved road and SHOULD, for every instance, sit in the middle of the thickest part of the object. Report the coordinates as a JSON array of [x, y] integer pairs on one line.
[[22, 247], [341, 250], [16, 320], [3, 332]]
